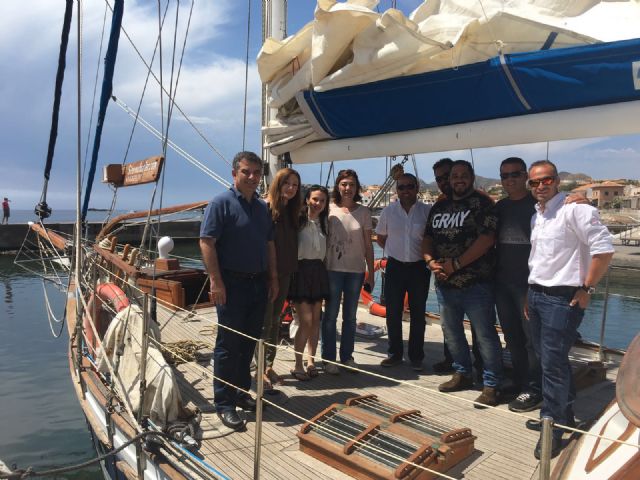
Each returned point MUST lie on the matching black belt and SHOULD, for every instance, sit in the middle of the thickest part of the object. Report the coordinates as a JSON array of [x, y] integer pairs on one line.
[[245, 275], [406, 263], [554, 291]]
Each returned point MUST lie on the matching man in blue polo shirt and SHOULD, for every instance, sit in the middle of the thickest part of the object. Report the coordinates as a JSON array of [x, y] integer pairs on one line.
[[236, 240]]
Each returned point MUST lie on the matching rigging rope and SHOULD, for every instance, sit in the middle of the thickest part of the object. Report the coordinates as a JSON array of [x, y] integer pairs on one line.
[[95, 91], [30, 472], [51, 315], [107, 88], [184, 115], [191, 159], [171, 97], [42, 210], [137, 113], [246, 77]]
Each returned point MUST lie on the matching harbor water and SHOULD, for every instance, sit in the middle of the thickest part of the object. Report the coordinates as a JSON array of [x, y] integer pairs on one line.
[[41, 423]]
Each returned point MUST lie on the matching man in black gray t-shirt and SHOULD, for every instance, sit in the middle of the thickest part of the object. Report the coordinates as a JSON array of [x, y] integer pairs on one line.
[[512, 270], [458, 247]]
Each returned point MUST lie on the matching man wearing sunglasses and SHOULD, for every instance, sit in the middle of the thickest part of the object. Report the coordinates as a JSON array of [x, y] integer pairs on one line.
[[512, 271], [570, 252], [400, 231]]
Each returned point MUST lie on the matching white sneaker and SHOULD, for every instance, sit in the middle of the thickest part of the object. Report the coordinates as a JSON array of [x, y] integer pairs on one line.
[[331, 368], [350, 363]]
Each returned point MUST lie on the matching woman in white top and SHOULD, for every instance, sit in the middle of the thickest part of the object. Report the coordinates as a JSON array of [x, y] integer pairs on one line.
[[310, 284], [349, 254]]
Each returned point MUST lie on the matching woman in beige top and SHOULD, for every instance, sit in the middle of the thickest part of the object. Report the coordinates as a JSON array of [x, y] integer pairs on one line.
[[349, 255]]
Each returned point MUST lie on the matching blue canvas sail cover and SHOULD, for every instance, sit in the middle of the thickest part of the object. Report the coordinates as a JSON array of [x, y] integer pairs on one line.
[[515, 84], [356, 73]]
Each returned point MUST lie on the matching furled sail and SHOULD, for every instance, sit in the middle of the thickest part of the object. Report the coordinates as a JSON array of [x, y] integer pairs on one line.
[[378, 84]]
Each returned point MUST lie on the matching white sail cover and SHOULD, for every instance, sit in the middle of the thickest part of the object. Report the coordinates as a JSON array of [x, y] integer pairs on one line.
[[162, 400], [349, 44]]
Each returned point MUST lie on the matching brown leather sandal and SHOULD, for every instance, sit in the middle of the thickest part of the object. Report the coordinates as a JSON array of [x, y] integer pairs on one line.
[[300, 375], [271, 375]]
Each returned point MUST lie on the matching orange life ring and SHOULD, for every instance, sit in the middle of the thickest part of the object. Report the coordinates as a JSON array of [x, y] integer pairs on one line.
[[105, 293], [365, 297]]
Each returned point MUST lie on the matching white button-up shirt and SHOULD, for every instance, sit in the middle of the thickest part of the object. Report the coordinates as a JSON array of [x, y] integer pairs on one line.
[[404, 230], [563, 240]]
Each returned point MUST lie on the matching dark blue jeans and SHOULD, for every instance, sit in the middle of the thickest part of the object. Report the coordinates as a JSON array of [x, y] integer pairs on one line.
[[343, 286], [510, 301], [411, 279], [554, 329], [477, 302], [244, 312]]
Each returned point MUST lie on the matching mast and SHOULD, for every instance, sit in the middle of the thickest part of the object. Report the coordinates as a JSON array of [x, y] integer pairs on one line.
[[274, 25], [78, 229]]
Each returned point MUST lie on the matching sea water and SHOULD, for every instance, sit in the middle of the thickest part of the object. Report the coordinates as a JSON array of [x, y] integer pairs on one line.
[[41, 423]]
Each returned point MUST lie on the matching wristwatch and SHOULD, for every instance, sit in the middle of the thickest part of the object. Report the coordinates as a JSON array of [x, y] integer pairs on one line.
[[589, 290]]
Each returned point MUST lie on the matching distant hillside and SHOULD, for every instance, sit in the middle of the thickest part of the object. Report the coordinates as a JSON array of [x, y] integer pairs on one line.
[[486, 182], [574, 177]]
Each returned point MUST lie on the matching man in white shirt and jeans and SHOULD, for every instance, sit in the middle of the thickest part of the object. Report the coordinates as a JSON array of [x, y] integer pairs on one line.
[[400, 231], [570, 252]]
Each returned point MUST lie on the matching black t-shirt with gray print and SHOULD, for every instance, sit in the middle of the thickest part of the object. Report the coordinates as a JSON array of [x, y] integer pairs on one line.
[[453, 226]]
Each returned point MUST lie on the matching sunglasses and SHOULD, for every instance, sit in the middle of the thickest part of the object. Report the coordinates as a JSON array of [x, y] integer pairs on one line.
[[517, 174], [442, 178], [546, 181], [406, 186]]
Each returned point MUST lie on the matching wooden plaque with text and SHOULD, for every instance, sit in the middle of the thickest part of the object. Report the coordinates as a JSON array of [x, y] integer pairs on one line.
[[135, 173]]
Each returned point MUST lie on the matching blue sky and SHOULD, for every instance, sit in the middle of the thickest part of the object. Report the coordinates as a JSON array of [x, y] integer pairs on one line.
[[210, 91]]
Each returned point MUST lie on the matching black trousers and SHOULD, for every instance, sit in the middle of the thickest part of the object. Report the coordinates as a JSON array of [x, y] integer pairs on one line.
[[410, 279]]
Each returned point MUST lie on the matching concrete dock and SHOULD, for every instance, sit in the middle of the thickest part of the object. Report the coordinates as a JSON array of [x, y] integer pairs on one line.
[[13, 235]]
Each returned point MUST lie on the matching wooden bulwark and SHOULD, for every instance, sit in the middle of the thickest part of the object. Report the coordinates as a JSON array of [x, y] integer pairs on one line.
[[187, 207]]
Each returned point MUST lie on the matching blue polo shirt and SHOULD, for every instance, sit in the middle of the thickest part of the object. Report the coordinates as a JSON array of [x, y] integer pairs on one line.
[[241, 229]]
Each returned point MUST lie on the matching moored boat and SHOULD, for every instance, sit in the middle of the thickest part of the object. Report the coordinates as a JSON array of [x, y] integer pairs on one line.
[[150, 414]]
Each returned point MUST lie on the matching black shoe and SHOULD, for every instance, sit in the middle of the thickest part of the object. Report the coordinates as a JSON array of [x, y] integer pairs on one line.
[[231, 419], [556, 447], [526, 402], [443, 367], [245, 402], [536, 425], [391, 361]]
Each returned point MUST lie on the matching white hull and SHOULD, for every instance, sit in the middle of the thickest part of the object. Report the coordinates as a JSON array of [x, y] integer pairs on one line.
[[594, 458]]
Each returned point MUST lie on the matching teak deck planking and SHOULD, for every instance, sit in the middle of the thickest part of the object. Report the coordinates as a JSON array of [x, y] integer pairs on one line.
[[504, 447]]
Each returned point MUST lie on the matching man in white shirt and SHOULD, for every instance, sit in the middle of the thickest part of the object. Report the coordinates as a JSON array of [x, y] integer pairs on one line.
[[570, 252], [400, 231]]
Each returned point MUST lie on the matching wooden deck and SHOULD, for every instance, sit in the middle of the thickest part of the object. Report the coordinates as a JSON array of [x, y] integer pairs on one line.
[[504, 447]]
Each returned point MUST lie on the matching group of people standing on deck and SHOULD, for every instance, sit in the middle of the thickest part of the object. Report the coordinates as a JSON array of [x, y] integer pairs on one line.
[[535, 257], [311, 248]]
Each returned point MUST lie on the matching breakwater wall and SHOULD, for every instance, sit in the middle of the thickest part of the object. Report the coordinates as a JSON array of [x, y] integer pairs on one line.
[[12, 236]]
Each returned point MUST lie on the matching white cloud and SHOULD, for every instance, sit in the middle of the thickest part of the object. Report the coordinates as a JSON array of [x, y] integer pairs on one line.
[[617, 151]]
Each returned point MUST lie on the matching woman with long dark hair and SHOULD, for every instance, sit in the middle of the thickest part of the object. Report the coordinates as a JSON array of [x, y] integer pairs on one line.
[[310, 284], [349, 255], [284, 204]]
